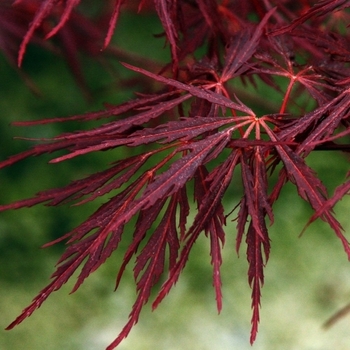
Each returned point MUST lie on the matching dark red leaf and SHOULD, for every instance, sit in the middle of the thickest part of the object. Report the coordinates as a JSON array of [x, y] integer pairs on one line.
[[206, 219], [309, 187], [322, 7], [339, 193], [195, 91], [242, 48], [41, 13], [150, 264], [113, 22]]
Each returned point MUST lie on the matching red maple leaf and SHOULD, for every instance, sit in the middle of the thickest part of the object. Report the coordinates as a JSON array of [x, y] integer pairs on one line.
[[194, 132]]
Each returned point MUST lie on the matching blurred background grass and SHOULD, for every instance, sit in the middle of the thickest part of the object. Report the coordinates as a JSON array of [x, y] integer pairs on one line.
[[307, 278]]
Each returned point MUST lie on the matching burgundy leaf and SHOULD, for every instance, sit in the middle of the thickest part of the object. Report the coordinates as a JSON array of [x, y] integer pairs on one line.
[[97, 184], [256, 205], [110, 111], [206, 219], [255, 189], [182, 170], [309, 187], [42, 12], [211, 13], [166, 10], [144, 222], [113, 22], [255, 274], [150, 264], [339, 193], [243, 48], [64, 17], [195, 91], [217, 238], [320, 8]]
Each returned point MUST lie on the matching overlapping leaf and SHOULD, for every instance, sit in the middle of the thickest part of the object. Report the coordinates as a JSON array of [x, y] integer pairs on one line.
[[321, 8]]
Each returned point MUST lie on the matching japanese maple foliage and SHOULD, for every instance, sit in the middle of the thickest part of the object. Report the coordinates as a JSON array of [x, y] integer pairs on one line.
[[195, 132]]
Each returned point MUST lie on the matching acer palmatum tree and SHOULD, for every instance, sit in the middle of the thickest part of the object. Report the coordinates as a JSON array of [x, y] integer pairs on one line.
[[202, 123]]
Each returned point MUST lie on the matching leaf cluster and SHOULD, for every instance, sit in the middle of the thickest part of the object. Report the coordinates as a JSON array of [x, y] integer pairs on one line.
[[196, 130]]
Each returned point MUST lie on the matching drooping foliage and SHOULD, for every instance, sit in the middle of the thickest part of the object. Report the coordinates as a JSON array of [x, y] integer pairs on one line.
[[194, 132]]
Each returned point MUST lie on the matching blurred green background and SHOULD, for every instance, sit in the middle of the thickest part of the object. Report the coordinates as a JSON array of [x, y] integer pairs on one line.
[[307, 278]]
